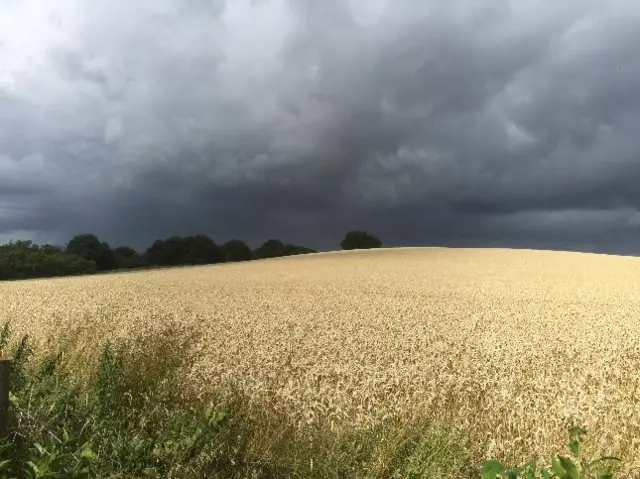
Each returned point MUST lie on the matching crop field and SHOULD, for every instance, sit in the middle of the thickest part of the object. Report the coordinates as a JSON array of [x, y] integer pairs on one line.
[[511, 346]]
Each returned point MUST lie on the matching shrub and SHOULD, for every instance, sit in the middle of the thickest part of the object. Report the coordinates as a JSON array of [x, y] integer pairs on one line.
[[561, 467], [57, 429]]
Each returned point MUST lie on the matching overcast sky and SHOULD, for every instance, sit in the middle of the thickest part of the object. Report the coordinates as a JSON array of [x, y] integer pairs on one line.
[[465, 122]]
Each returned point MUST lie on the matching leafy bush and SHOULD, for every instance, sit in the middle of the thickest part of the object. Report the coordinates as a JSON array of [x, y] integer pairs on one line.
[[360, 239], [561, 467], [24, 259], [56, 429]]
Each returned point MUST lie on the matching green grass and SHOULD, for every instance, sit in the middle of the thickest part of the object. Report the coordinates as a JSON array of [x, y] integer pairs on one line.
[[110, 429]]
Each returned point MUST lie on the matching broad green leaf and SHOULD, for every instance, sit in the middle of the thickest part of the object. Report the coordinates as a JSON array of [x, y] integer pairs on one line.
[[4, 464], [546, 473], [491, 469], [570, 467], [604, 473], [558, 470], [28, 472], [511, 474], [577, 432], [34, 469], [574, 446]]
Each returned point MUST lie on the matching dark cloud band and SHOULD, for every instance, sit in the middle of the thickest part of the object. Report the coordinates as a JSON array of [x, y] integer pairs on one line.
[[428, 122]]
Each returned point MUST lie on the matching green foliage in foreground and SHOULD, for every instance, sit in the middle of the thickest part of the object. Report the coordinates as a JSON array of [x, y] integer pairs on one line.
[[561, 467], [112, 430]]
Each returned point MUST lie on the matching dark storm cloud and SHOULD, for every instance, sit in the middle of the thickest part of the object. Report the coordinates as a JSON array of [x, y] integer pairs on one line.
[[462, 122]]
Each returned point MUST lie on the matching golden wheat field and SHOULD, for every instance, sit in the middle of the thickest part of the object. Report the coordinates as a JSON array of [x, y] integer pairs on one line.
[[512, 345]]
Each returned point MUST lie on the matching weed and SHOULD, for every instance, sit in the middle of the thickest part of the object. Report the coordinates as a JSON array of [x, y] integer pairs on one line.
[[561, 467]]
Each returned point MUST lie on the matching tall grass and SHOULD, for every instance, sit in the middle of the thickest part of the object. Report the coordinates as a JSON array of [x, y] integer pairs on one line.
[[115, 427]]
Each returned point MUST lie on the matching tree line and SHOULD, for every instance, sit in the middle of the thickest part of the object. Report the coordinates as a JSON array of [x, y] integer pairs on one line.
[[87, 254]]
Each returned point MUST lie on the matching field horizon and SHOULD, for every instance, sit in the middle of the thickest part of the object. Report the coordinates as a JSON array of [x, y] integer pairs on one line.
[[512, 346]]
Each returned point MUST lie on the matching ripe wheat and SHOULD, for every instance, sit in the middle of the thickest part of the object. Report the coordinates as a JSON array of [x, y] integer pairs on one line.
[[513, 346]]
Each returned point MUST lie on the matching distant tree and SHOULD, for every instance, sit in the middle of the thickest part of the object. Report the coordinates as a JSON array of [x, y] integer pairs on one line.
[[187, 250], [157, 253], [237, 250], [128, 258], [272, 248], [86, 253], [51, 249], [360, 239], [25, 259], [24, 245], [168, 252], [125, 252], [294, 249], [89, 247], [201, 249]]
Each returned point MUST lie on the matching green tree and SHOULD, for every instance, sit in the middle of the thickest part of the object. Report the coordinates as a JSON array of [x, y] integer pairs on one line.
[[89, 247], [237, 250], [200, 249], [185, 250], [167, 252], [158, 253], [360, 239], [294, 249], [128, 258], [25, 259], [275, 248], [272, 248], [51, 249]]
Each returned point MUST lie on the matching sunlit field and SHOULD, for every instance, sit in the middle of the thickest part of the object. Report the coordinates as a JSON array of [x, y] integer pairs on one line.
[[511, 347]]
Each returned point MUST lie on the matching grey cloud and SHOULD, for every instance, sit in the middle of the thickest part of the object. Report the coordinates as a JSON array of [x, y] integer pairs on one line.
[[428, 122]]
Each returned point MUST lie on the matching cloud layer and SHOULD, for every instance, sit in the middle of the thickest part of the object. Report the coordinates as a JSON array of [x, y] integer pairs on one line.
[[486, 122]]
